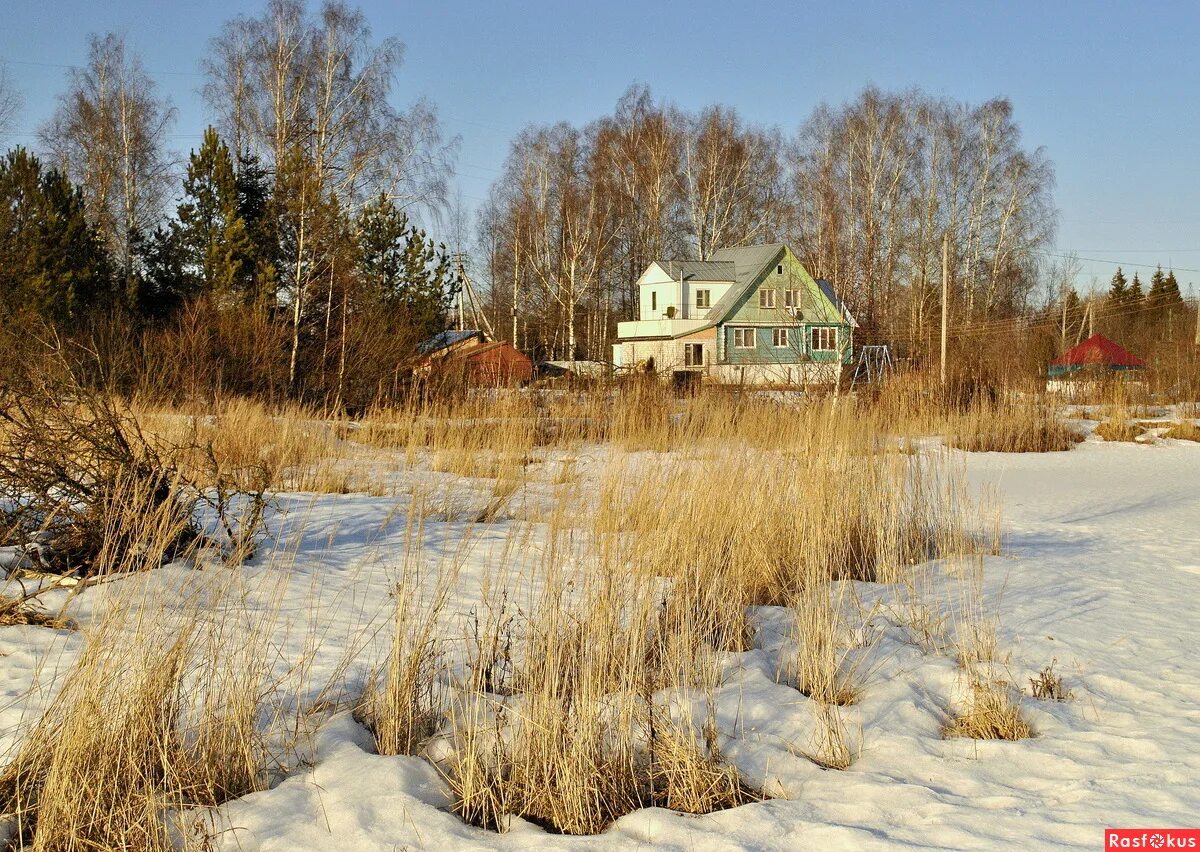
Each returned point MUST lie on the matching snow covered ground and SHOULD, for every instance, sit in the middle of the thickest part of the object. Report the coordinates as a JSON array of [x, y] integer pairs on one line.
[[1101, 573]]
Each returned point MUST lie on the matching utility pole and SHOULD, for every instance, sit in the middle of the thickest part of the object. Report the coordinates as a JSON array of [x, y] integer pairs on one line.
[[1197, 338], [945, 299]]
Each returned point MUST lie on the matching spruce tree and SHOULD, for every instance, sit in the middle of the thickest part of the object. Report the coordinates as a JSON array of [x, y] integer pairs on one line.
[[1157, 282], [1172, 298], [1135, 294], [1118, 293]]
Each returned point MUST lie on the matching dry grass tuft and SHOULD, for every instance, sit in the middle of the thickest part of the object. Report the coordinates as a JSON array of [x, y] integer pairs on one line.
[[1183, 430], [991, 714], [831, 748], [1120, 429], [402, 704], [1014, 424], [162, 710], [24, 610]]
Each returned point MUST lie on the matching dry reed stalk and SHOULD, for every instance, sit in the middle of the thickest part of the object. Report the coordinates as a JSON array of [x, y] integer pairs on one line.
[[1183, 430], [1016, 423], [1120, 429], [403, 704], [162, 711]]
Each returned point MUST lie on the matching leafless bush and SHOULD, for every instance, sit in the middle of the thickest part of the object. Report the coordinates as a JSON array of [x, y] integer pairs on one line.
[[1048, 685], [86, 491]]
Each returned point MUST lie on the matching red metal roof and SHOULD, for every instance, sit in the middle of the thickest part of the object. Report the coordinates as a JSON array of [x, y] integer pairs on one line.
[[1098, 350]]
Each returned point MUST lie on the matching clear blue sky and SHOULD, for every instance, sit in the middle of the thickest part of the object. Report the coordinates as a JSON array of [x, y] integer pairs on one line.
[[1111, 90]]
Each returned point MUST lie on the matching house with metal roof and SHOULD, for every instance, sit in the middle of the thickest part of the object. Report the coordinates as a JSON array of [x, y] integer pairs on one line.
[[747, 314]]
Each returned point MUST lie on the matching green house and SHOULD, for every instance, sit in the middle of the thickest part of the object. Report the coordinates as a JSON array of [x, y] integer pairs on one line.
[[749, 314]]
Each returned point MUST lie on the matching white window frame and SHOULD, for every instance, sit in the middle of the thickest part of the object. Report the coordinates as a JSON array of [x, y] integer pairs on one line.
[[741, 335], [766, 298], [703, 300], [688, 359], [791, 298], [819, 333], [779, 338]]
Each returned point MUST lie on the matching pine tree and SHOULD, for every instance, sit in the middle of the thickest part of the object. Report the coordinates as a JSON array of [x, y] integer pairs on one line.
[[163, 282], [52, 260], [403, 270], [212, 233], [256, 208]]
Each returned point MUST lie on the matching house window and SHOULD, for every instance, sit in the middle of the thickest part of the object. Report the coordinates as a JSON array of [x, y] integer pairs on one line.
[[824, 339], [653, 300], [693, 354], [779, 337], [766, 298], [779, 269], [702, 298], [743, 338], [791, 298]]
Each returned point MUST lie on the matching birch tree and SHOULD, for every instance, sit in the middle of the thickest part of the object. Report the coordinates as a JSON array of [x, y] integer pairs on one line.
[[109, 136]]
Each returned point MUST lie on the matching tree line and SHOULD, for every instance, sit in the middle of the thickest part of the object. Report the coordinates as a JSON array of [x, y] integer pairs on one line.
[[287, 261], [865, 192]]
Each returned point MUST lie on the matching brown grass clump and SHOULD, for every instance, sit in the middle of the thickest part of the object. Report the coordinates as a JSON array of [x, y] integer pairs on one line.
[[24, 610], [1013, 424], [821, 669], [559, 721], [402, 704], [1183, 430], [161, 711], [990, 715], [1122, 430]]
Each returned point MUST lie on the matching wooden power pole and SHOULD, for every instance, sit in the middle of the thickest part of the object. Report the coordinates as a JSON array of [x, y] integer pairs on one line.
[[945, 299], [1197, 338]]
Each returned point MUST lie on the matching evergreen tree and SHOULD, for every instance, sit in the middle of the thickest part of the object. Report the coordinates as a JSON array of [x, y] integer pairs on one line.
[[1164, 291], [1135, 294], [1118, 293], [256, 208], [1172, 298], [402, 269], [213, 236], [52, 260], [1157, 281], [163, 280]]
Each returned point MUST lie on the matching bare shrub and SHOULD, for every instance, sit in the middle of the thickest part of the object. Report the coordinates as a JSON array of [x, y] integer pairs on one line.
[[1048, 685]]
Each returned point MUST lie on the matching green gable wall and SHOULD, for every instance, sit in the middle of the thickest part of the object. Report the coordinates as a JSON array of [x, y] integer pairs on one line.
[[815, 310]]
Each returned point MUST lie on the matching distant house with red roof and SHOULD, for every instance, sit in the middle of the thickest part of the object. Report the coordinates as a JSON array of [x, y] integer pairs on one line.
[[1095, 357]]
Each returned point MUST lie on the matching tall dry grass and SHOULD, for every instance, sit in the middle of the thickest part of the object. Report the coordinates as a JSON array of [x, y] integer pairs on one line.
[[167, 708]]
